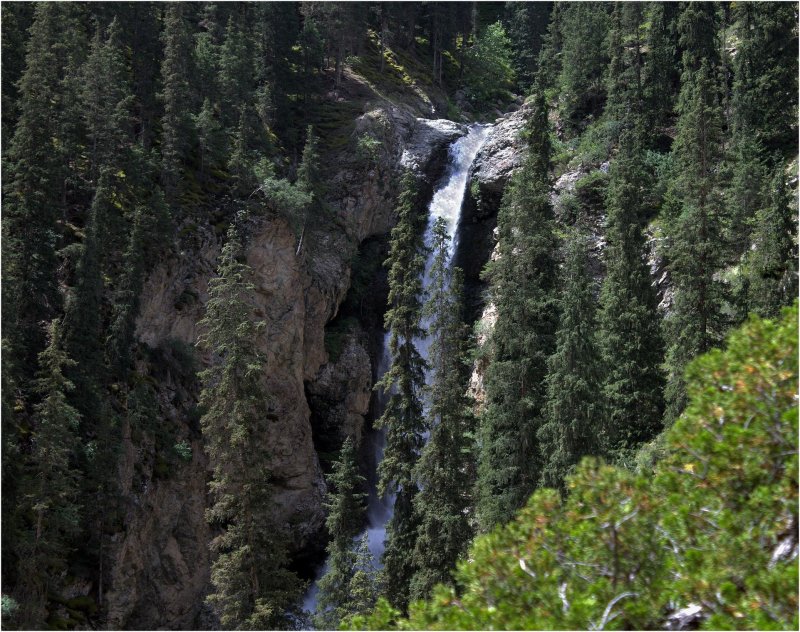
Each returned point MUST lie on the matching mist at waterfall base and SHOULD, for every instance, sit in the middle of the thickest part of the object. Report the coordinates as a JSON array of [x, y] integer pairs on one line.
[[446, 203]]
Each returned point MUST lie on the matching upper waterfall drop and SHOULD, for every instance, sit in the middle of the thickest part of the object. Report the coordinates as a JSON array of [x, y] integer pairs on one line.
[[446, 203], [447, 200]]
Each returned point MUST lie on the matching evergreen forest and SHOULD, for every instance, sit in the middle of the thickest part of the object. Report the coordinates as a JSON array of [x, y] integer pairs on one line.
[[399, 315]]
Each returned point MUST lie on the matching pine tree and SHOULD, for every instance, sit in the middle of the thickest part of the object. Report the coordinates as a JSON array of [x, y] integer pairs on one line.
[[630, 337], [209, 136], [176, 124], [50, 495], [523, 281], [527, 25], [150, 226], [83, 322], [770, 267], [403, 417], [252, 587], [584, 26], [309, 178], [363, 589], [695, 324], [624, 76], [33, 177], [236, 73], [445, 469], [345, 521], [108, 99], [764, 99], [574, 408], [660, 75]]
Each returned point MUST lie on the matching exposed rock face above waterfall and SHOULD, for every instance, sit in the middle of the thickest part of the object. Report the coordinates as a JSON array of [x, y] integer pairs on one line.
[[429, 139], [502, 153]]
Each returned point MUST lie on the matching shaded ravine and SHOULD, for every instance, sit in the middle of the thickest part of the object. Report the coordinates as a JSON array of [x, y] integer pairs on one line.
[[446, 203]]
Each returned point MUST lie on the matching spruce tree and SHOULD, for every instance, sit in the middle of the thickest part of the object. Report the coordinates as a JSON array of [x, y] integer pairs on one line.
[[209, 136], [50, 495], [147, 242], [584, 26], [445, 469], [310, 181], [176, 124], [522, 286], [83, 322], [345, 521], [108, 99], [403, 417], [363, 589], [624, 76], [574, 410], [660, 74], [236, 73], [252, 588], [629, 325], [770, 267], [764, 99], [33, 177], [526, 25], [694, 224]]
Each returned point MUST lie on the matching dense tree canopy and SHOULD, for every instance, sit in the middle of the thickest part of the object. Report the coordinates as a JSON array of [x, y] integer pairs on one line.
[[647, 209]]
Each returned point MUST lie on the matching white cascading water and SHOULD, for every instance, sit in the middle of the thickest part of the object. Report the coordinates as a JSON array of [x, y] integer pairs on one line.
[[446, 203]]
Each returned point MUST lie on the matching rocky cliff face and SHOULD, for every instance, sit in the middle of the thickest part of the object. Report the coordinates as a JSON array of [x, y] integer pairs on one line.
[[490, 172], [159, 562]]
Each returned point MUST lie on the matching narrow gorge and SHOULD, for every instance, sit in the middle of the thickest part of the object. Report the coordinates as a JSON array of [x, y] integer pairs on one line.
[[377, 315]]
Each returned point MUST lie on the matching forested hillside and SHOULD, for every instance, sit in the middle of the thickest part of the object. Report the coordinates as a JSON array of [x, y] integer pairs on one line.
[[399, 314]]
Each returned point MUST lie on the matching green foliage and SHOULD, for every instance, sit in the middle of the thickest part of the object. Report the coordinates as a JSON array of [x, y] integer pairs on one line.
[[183, 450], [765, 70], [252, 587], [489, 72], [624, 551], [583, 27], [770, 267], [49, 501], [523, 280], [346, 561], [367, 147], [574, 410], [629, 336], [176, 124], [403, 416], [31, 195], [446, 469], [526, 26], [10, 607], [696, 323], [590, 189]]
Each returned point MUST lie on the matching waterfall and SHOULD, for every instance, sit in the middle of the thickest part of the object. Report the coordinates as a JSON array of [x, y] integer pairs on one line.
[[446, 203]]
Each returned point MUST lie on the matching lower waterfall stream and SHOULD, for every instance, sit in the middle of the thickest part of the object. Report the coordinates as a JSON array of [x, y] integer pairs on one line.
[[446, 203]]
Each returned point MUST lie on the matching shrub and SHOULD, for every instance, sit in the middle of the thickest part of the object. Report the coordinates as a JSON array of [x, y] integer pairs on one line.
[[183, 450]]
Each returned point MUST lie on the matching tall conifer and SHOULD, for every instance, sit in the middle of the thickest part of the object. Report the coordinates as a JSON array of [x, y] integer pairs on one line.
[[345, 521], [252, 587], [33, 178], [694, 215], [403, 418], [445, 469], [629, 335], [176, 124], [50, 496], [523, 280], [574, 410]]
